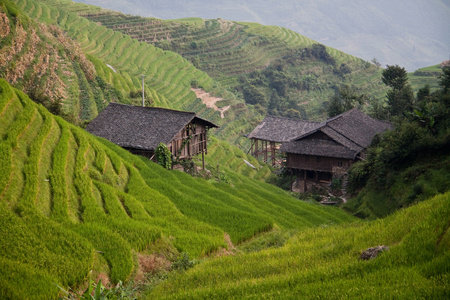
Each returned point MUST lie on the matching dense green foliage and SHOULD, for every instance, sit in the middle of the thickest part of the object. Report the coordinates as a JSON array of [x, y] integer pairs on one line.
[[409, 163], [72, 203], [345, 99], [163, 156], [400, 98]]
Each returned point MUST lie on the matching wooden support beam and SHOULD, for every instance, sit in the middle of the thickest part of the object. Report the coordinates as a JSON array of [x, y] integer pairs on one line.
[[203, 159]]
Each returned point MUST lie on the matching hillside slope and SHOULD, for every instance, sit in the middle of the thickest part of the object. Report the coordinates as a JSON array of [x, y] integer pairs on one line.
[[72, 203], [234, 52], [323, 263], [226, 51], [115, 61]]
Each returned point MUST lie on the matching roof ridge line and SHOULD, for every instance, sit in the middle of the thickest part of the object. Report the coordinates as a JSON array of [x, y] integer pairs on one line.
[[154, 107], [347, 138]]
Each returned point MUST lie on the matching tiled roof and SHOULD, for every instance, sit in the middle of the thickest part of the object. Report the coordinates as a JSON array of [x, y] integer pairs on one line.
[[278, 129], [141, 127]]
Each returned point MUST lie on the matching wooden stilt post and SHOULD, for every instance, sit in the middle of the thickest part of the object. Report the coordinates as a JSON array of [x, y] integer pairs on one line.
[[272, 152], [304, 181], [265, 151], [203, 159], [292, 178]]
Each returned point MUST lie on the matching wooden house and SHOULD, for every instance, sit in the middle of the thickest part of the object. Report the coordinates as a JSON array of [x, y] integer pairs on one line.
[[267, 137], [141, 129], [333, 146]]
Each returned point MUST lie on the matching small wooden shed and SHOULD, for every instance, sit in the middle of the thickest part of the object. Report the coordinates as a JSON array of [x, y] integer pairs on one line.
[[141, 129], [267, 137]]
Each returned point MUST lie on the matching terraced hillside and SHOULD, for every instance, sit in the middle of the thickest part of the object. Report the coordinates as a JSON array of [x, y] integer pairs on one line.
[[72, 203], [43, 62], [323, 263], [426, 76], [120, 60], [228, 51], [216, 46]]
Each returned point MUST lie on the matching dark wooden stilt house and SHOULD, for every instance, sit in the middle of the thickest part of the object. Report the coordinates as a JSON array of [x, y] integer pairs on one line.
[[267, 137], [141, 129], [333, 146], [316, 151]]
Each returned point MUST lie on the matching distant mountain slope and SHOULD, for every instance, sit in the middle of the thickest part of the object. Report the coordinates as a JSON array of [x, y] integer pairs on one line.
[[72, 203], [413, 34]]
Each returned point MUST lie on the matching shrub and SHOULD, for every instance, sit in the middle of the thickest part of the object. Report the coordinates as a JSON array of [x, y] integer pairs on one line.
[[163, 156]]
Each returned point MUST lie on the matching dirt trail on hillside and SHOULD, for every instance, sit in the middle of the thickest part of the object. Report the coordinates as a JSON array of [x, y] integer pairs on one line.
[[210, 101]]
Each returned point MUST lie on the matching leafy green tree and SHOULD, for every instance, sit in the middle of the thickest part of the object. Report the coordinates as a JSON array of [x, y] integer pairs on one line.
[[344, 99], [253, 95], [401, 102], [377, 110], [293, 114], [401, 97], [423, 93], [444, 79], [395, 77]]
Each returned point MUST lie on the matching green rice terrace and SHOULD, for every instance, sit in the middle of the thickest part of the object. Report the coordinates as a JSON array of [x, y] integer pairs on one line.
[[73, 203], [77, 209]]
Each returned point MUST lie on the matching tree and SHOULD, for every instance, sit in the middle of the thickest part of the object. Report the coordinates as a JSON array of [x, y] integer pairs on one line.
[[344, 99], [376, 62], [400, 101], [253, 95], [422, 96], [401, 97], [293, 114], [395, 77], [163, 156], [444, 79]]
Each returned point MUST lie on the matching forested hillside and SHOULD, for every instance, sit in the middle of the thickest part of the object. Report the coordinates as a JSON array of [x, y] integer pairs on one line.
[[411, 163]]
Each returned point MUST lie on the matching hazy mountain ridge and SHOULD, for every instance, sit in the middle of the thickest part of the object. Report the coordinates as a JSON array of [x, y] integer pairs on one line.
[[412, 34]]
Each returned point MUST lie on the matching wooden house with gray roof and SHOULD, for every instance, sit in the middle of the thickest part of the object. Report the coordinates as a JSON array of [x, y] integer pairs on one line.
[[333, 146], [267, 137], [141, 129]]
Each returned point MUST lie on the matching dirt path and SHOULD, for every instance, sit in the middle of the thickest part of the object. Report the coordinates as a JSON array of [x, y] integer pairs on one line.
[[210, 101]]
